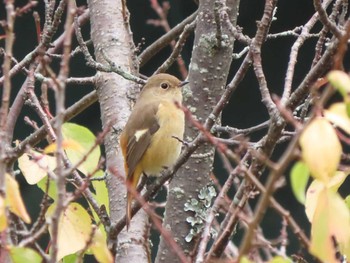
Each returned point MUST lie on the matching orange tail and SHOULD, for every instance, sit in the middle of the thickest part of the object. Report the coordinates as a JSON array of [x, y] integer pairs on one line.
[[132, 182], [128, 209]]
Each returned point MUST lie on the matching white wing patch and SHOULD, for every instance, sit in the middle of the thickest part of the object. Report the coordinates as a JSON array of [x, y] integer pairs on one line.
[[139, 134]]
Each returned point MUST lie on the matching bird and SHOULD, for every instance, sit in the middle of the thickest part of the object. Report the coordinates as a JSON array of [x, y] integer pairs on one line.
[[151, 139]]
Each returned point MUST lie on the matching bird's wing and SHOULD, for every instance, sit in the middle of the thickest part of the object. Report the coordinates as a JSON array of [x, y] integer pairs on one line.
[[146, 125]]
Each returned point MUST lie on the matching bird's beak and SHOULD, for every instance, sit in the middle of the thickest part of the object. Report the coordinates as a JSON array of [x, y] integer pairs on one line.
[[183, 83]]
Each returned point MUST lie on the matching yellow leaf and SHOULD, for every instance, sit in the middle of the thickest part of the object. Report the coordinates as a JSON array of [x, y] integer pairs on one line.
[[74, 229], [99, 248], [336, 181], [340, 80], [331, 221], [34, 166], [316, 187], [244, 259], [3, 219], [279, 259], [66, 144], [321, 149], [338, 115], [14, 199]]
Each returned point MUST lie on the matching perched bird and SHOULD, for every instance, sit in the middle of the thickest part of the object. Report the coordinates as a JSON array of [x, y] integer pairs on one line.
[[151, 139]]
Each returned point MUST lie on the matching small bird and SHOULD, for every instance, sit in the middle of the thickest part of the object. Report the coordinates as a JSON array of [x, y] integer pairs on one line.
[[151, 139]]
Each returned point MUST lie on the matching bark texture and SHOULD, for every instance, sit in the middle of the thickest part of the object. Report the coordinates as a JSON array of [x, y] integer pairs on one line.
[[111, 36], [208, 73]]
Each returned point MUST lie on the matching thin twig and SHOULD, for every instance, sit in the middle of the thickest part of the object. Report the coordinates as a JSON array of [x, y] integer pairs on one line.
[[40, 134], [325, 20], [98, 66], [163, 41], [177, 49], [235, 131], [60, 106], [294, 53]]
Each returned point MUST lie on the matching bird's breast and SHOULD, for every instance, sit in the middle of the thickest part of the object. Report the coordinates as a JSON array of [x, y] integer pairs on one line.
[[165, 144]]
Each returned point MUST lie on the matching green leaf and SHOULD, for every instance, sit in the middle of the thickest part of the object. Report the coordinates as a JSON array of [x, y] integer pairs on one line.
[[101, 196], [86, 140], [299, 177], [347, 104], [70, 258], [52, 190], [101, 192], [24, 254]]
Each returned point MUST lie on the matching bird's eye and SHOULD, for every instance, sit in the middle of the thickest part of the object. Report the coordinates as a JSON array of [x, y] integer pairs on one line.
[[164, 85]]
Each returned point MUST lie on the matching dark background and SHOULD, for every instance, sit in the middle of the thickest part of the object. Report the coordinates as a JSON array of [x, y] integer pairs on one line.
[[245, 108]]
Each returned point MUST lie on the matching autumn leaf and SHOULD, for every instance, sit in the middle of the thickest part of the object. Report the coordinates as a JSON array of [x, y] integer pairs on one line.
[[321, 149], [331, 222], [316, 187], [337, 114], [34, 166], [99, 248], [74, 229], [3, 219], [66, 144], [14, 200], [279, 259], [340, 80]]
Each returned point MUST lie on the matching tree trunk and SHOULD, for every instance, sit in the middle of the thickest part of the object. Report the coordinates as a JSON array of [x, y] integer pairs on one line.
[[111, 35], [211, 60]]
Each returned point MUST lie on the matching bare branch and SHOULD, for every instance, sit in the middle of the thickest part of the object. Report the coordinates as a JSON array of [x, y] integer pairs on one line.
[[163, 41]]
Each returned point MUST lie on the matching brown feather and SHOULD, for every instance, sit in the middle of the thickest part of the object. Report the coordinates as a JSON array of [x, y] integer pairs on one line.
[[134, 147], [137, 146], [147, 140]]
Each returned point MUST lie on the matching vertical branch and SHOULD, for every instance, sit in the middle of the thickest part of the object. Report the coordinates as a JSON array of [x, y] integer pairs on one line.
[[10, 37], [60, 108], [236, 207], [260, 37], [217, 7], [207, 75], [329, 24], [112, 39], [294, 53], [5, 102]]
